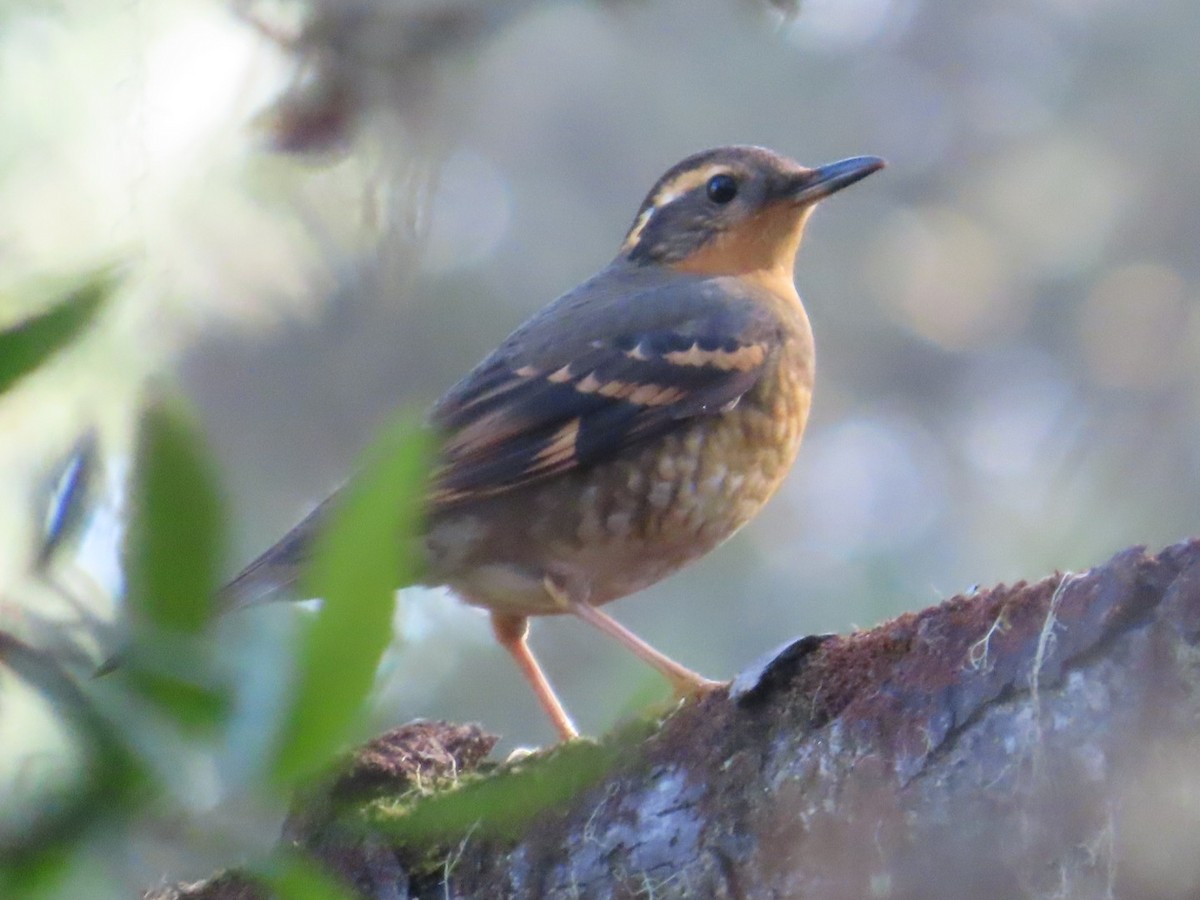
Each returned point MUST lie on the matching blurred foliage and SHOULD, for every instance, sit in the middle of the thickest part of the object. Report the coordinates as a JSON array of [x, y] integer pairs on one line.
[[293, 877], [67, 496], [174, 554], [28, 344], [499, 804], [165, 677], [368, 550], [30, 854], [172, 559], [109, 777]]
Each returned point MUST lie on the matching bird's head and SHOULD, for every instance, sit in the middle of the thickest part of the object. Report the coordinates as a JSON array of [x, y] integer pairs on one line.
[[734, 210]]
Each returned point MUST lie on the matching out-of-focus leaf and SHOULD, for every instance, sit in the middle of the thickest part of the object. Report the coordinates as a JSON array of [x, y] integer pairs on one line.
[[500, 804], [66, 503], [25, 346], [36, 857], [37, 873], [195, 706], [174, 548], [366, 552], [293, 877], [173, 555]]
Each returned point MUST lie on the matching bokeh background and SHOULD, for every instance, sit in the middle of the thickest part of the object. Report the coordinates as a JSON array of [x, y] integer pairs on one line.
[[333, 210]]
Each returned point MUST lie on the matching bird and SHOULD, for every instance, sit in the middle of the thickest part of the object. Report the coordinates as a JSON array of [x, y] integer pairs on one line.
[[630, 426]]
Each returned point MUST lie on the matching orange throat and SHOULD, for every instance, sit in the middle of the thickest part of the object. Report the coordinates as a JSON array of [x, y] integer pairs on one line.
[[762, 250]]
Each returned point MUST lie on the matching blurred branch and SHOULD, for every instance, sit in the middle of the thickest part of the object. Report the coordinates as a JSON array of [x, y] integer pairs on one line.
[[353, 59], [357, 58], [1027, 741]]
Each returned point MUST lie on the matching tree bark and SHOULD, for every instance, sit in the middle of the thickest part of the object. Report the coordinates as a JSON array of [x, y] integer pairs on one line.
[[1040, 740]]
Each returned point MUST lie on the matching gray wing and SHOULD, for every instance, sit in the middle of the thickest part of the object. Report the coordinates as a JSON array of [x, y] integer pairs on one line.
[[635, 364]]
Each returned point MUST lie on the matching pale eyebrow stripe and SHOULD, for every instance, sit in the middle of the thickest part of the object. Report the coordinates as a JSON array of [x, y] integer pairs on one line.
[[668, 193]]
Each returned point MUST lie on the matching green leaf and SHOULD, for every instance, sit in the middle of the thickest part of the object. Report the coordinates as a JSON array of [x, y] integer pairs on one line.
[[25, 346], [293, 877], [502, 803], [174, 547], [368, 550], [39, 873], [195, 706], [173, 555]]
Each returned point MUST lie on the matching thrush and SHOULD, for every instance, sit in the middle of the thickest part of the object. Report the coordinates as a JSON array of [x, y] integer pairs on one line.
[[633, 424]]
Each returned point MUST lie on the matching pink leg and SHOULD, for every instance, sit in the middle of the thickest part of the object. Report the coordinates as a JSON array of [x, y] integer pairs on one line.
[[511, 632], [684, 682]]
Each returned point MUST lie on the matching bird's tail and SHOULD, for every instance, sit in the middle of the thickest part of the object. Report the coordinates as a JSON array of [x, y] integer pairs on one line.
[[274, 574]]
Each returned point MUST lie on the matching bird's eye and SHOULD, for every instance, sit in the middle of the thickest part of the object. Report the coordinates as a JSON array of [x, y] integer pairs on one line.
[[722, 188]]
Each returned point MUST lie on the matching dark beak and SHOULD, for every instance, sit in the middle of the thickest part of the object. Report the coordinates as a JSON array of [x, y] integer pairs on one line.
[[815, 184]]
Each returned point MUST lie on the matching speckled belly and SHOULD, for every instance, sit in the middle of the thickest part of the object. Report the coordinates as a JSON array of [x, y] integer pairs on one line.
[[610, 530]]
